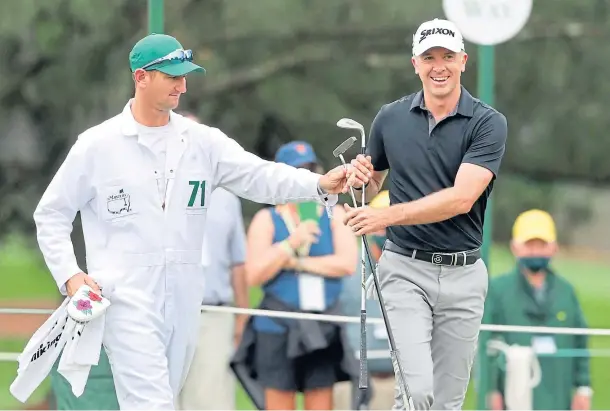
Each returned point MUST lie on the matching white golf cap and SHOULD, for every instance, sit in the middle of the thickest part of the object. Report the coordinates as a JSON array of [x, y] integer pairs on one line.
[[437, 33]]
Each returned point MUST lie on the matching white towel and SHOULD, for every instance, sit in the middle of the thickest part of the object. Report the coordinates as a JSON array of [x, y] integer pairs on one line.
[[80, 341], [523, 374], [40, 354], [81, 352]]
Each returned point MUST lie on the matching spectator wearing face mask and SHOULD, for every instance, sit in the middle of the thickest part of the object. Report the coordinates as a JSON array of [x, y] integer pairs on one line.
[[533, 294]]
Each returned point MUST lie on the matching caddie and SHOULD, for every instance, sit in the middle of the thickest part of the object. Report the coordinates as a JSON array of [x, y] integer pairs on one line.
[[142, 182], [442, 149]]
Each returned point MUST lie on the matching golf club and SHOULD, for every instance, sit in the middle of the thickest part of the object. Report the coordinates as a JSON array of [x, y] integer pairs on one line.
[[348, 123], [395, 355], [362, 384]]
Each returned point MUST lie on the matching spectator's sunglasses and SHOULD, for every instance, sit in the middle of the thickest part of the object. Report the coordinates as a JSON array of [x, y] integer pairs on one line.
[[180, 54]]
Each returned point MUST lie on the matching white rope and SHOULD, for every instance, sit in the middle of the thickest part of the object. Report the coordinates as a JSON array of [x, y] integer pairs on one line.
[[347, 319], [8, 356], [371, 354]]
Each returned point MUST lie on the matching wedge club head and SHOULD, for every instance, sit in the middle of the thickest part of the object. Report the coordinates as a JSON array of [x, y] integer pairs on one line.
[[352, 124]]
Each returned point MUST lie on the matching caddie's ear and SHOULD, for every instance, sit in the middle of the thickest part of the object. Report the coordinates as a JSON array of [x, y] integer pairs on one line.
[[140, 78]]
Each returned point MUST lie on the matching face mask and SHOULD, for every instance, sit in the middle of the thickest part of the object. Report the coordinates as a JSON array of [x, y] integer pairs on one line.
[[534, 264]]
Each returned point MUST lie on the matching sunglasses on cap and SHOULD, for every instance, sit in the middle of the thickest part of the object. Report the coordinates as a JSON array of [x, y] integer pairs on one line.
[[182, 55]]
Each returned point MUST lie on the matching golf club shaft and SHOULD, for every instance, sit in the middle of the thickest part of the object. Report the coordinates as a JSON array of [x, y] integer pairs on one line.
[[363, 368], [393, 350], [362, 383]]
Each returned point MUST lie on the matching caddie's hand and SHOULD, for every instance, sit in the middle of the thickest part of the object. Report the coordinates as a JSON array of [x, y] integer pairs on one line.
[[334, 181], [360, 171], [306, 233], [77, 281], [339, 179], [365, 220]]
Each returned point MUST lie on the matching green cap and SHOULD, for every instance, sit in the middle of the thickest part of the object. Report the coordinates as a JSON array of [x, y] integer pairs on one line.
[[155, 46]]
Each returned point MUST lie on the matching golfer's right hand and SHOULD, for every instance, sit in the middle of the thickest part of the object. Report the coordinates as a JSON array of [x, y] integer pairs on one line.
[[305, 233], [77, 280], [360, 171]]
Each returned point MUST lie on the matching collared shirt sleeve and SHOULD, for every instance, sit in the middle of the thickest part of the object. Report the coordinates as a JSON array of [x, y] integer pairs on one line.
[[375, 147], [488, 143], [238, 236], [249, 176], [68, 192]]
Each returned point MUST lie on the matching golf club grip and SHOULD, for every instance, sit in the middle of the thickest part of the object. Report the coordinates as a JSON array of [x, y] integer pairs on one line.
[[363, 361]]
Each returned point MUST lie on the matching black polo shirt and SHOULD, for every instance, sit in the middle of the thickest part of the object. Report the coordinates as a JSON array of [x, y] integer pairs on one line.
[[424, 157]]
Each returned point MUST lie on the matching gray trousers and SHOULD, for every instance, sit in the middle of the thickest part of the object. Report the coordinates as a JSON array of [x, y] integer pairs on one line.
[[435, 313]]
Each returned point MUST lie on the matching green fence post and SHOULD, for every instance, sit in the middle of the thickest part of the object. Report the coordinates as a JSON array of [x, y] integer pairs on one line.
[[156, 16], [485, 86]]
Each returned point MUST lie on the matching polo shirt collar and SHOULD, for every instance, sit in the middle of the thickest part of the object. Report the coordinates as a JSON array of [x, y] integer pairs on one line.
[[465, 105]]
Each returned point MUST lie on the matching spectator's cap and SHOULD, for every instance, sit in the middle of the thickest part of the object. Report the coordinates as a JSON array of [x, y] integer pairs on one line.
[[437, 33], [296, 154], [534, 224], [163, 53], [381, 200]]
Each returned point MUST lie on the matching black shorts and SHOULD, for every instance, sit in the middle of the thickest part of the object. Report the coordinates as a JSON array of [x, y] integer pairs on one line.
[[275, 370]]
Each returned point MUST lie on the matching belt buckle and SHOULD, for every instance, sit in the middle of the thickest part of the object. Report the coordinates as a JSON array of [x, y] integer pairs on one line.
[[437, 258]]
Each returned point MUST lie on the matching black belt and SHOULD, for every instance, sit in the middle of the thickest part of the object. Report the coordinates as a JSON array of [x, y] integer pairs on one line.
[[460, 258]]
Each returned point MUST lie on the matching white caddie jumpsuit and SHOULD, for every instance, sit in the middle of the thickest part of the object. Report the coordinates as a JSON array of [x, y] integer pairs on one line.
[[147, 258]]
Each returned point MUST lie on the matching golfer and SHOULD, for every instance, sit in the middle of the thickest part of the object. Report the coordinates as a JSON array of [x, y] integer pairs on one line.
[[442, 149], [142, 182]]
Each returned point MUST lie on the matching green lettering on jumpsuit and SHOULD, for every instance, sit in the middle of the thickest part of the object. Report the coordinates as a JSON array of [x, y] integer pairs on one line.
[[196, 185]]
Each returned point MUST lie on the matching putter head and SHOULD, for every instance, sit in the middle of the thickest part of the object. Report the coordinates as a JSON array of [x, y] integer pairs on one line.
[[343, 147]]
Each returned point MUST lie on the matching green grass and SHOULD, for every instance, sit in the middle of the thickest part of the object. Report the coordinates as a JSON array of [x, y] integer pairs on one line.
[[24, 275], [8, 371]]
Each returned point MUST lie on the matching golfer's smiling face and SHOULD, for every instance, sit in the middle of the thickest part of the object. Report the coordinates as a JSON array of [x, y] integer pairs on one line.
[[440, 70]]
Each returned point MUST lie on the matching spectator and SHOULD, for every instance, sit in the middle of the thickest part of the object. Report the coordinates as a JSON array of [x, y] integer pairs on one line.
[[210, 384], [380, 370], [533, 294], [300, 266]]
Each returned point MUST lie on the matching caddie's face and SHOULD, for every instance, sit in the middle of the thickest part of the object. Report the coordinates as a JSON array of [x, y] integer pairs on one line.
[[534, 248], [440, 70], [161, 90]]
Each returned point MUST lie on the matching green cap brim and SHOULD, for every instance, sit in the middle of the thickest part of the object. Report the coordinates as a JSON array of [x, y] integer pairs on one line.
[[180, 69]]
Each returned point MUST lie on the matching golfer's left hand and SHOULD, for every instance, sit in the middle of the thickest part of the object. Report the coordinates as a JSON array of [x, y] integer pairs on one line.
[[338, 180], [365, 220]]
